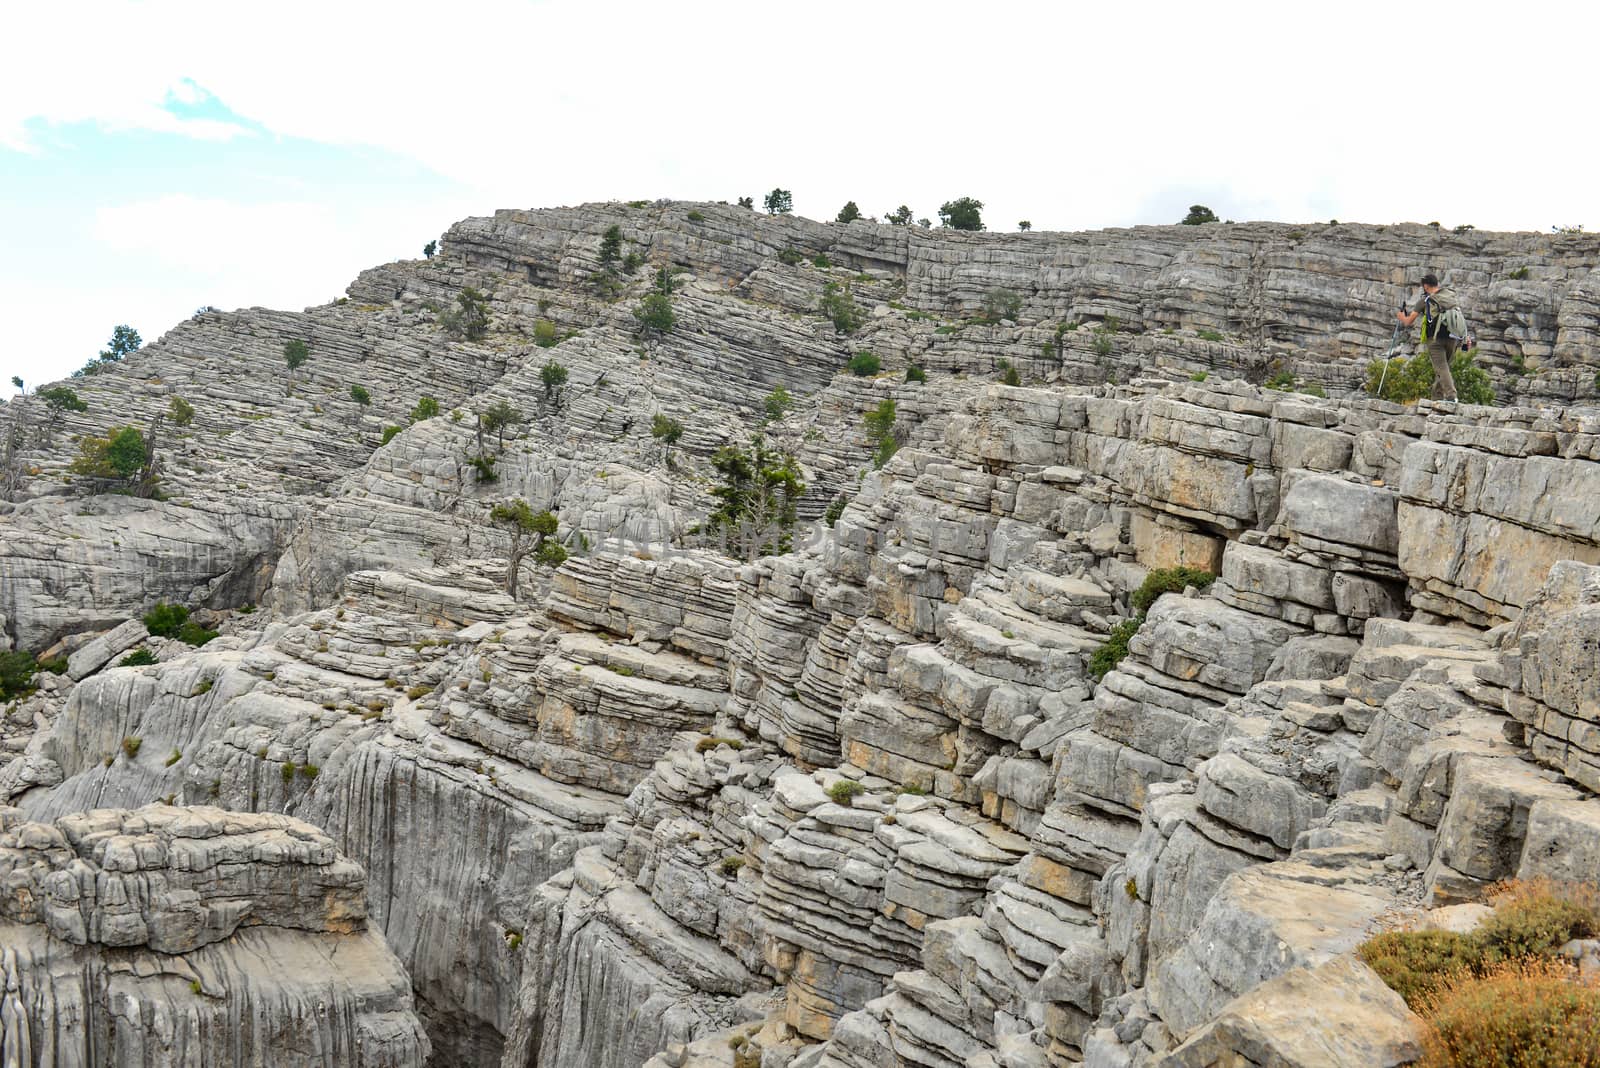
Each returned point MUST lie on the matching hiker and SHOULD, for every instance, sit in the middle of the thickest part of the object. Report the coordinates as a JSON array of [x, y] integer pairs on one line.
[[1442, 345]]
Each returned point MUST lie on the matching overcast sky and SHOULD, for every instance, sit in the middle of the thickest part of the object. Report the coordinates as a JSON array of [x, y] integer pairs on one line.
[[156, 157]]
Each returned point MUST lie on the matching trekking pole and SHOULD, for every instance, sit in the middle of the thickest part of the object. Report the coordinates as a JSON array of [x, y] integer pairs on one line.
[[1394, 340]]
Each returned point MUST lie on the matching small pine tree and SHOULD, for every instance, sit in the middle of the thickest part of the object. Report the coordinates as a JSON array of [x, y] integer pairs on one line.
[[849, 213], [429, 249], [881, 432], [469, 319], [900, 216], [427, 408], [747, 203], [778, 403], [360, 395], [668, 431], [611, 245], [1198, 215], [59, 400], [1024, 226], [779, 202], [180, 411], [496, 418], [295, 354], [654, 315]]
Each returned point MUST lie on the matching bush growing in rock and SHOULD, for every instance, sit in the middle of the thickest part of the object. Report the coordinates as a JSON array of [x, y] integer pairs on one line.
[[778, 403], [1009, 375], [17, 669], [180, 411], [529, 534], [838, 305], [426, 408], [865, 364], [554, 377], [666, 430], [1416, 964], [1411, 378], [836, 509], [915, 374], [1535, 918], [845, 791], [469, 319], [778, 202], [483, 466], [165, 619], [429, 249], [1000, 304], [388, 434], [881, 432], [1198, 215], [295, 354], [849, 213], [1109, 655], [121, 454], [1531, 1014], [194, 634], [654, 315], [1168, 580], [138, 658]]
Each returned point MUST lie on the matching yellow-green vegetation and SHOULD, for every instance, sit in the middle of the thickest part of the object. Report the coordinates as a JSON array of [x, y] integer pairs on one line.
[[1528, 1014], [419, 691], [1499, 997], [845, 791], [731, 865], [705, 745], [177, 755], [130, 746]]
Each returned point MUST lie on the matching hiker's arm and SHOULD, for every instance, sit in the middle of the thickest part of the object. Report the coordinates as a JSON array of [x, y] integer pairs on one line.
[[1406, 318]]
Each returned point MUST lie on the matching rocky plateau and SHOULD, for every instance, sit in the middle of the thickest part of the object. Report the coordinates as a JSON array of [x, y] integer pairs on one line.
[[876, 801]]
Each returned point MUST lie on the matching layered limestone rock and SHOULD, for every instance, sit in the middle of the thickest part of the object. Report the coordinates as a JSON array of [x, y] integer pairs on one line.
[[881, 800], [170, 935]]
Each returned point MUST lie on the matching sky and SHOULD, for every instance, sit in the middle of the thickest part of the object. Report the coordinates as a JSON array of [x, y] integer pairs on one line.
[[157, 157]]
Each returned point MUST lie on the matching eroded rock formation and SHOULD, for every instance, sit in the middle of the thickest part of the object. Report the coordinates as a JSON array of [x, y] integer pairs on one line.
[[866, 803]]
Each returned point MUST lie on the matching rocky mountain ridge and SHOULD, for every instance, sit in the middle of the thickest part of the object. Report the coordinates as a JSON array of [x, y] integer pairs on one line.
[[866, 803]]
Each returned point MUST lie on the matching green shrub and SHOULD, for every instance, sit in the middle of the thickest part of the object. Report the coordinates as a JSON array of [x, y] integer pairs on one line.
[[865, 364], [17, 669], [821, 260], [1000, 304], [287, 772], [1109, 655], [427, 408], [836, 509], [840, 307], [180, 411], [790, 256], [1519, 274], [484, 468], [58, 666], [138, 658], [1199, 376], [130, 746], [554, 377], [1104, 341], [963, 213], [1529, 1015], [778, 403], [695, 216], [1198, 215], [1168, 580], [388, 433], [164, 619], [1535, 918], [545, 334], [731, 865], [1410, 378], [1417, 964], [1210, 335], [177, 755], [1011, 376], [194, 634], [916, 374], [845, 791], [705, 745], [1282, 379], [654, 315], [849, 213]]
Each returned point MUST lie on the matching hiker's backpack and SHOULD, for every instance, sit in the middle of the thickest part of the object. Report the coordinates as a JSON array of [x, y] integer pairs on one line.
[[1450, 324]]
